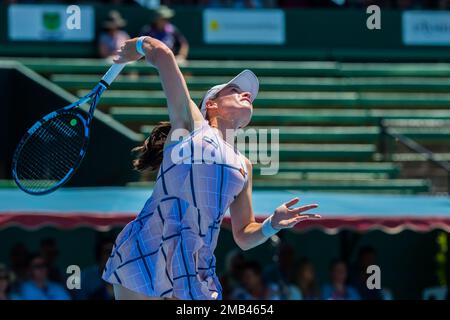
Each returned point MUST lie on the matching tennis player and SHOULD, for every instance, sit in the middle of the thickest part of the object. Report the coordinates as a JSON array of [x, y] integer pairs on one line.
[[167, 251]]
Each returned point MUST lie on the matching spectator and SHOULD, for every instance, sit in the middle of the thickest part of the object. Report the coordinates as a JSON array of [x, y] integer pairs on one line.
[[120, 2], [366, 257], [283, 268], [294, 3], [306, 280], [443, 4], [113, 36], [234, 262], [338, 289], [39, 287], [18, 257], [253, 287], [161, 29], [6, 281], [93, 287], [49, 251]]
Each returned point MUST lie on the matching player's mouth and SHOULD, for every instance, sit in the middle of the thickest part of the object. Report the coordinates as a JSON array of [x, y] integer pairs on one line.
[[246, 101]]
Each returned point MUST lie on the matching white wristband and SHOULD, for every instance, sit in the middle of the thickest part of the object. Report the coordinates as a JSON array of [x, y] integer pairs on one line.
[[139, 43], [267, 228]]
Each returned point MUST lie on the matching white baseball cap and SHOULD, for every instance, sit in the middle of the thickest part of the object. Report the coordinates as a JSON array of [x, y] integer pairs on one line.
[[246, 81]]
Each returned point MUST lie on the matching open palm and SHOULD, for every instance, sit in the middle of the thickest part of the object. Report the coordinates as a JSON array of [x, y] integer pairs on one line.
[[286, 217]]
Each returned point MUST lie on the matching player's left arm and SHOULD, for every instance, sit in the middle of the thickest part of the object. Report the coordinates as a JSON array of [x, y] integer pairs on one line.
[[247, 233]]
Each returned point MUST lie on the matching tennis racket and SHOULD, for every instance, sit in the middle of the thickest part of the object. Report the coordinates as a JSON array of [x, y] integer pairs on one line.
[[53, 148]]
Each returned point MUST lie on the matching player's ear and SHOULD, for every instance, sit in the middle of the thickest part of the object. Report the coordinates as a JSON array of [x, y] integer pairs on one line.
[[211, 106]]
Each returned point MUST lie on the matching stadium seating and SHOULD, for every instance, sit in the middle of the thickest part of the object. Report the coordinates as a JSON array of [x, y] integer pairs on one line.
[[327, 114]]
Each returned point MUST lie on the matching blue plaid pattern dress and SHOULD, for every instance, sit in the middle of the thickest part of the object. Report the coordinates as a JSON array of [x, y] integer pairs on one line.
[[168, 249]]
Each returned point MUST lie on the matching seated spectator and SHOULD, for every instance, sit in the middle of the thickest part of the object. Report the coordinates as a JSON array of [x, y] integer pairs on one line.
[[253, 286], [19, 257], [161, 29], [295, 3], [306, 280], [49, 251], [443, 4], [93, 287], [358, 275], [113, 37], [283, 268], [338, 289], [234, 262], [282, 271], [119, 2], [6, 281], [39, 287]]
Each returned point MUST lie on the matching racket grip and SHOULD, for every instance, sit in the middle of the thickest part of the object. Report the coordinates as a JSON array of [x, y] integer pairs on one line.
[[113, 72]]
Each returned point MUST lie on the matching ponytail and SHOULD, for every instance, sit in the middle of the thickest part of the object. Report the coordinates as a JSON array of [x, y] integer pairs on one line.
[[150, 154]]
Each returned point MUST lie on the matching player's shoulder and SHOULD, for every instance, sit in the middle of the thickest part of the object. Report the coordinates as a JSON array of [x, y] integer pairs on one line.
[[247, 162]]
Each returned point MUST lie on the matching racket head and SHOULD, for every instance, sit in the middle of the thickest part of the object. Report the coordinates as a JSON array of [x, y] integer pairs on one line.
[[51, 151]]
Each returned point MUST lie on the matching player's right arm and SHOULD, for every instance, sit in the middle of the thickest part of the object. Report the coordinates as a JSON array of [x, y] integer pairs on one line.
[[183, 112]]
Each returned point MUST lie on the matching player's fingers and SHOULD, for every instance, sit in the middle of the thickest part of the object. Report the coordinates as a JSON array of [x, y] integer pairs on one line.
[[304, 208], [292, 202], [309, 216], [118, 59]]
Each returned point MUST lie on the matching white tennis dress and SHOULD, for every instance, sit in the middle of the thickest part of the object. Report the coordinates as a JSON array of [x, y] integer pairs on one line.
[[168, 249]]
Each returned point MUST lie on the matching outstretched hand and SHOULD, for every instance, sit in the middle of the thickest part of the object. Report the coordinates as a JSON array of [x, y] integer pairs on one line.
[[286, 217]]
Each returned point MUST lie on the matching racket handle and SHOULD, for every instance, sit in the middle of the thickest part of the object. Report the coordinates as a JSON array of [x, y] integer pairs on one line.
[[113, 72]]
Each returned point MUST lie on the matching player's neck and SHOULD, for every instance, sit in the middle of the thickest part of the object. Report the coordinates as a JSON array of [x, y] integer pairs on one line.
[[225, 128]]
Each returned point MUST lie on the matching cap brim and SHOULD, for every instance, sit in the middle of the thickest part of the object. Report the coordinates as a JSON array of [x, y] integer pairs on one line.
[[246, 81]]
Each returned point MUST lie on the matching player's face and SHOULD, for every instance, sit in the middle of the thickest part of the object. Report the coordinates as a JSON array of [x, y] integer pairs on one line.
[[39, 269], [339, 273], [235, 104]]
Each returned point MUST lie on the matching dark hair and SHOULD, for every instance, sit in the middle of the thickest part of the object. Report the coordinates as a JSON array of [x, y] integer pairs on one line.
[[150, 154], [100, 246], [335, 262], [48, 242], [366, 250], [253, 266]]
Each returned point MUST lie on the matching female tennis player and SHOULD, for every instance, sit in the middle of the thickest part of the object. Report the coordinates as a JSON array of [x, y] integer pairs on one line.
[[167, 251]]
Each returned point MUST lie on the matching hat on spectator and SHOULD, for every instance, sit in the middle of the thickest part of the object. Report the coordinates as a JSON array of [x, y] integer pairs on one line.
[[164, 12], [114, 20]]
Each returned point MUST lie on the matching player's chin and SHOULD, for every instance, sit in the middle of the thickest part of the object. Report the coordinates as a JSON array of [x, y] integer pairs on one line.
[[246, 117]]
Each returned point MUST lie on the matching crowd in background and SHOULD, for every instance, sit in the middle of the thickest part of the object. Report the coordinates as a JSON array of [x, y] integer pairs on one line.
[[289, 278], [35, 276], [394, 4], [159, 27]]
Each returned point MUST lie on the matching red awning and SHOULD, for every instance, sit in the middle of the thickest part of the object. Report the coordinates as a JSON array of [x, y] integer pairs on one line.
[[104, 222]]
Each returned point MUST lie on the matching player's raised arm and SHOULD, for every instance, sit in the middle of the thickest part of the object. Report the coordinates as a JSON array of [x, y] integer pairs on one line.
[[182, 110]]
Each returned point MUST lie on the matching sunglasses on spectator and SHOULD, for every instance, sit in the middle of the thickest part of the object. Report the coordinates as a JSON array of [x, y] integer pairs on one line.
[[39, 266]]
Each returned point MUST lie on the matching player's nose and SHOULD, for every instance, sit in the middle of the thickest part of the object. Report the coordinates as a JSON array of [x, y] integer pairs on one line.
[[246, 94]]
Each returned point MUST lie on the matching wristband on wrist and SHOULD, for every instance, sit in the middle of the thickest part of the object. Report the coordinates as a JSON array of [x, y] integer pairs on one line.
[[267, 228], [139, 44]]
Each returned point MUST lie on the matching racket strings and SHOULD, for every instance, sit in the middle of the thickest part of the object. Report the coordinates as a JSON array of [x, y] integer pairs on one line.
[[44, 135], [45, 168], [51, 152]]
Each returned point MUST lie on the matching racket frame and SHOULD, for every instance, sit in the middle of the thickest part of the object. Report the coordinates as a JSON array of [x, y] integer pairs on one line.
[[94, 95]]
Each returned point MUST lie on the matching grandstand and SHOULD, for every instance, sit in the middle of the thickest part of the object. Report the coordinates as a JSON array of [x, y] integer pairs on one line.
[[328, 114]]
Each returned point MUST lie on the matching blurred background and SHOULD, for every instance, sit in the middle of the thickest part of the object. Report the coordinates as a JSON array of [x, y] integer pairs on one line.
[[361, 99]]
